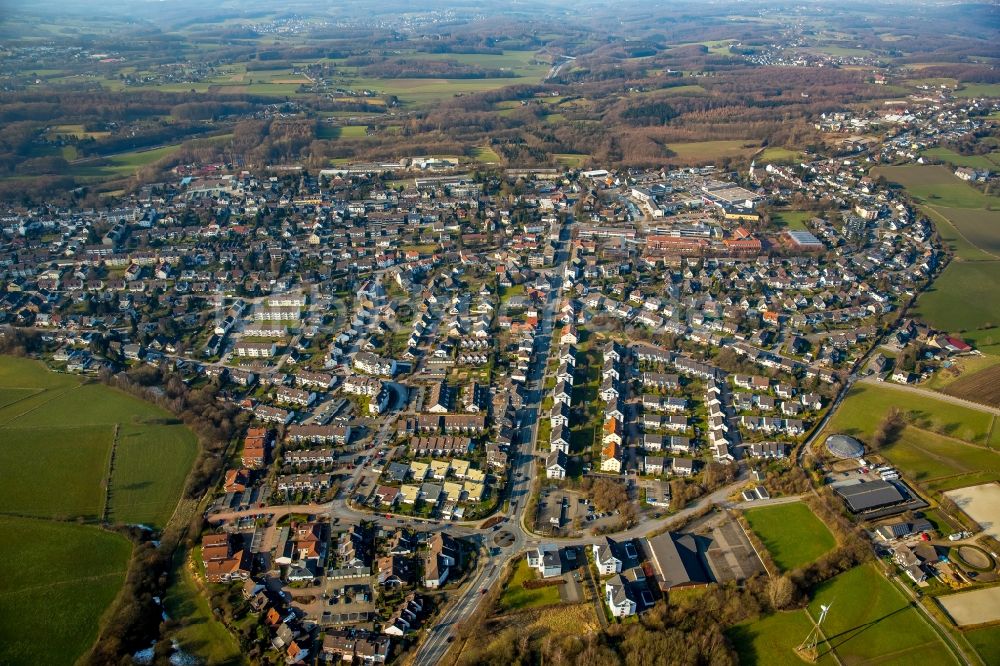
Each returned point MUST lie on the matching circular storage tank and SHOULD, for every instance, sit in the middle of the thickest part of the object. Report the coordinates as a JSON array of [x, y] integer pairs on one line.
[[843, 446]]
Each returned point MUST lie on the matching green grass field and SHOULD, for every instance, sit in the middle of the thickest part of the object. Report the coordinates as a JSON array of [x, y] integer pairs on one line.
[[866, 404], [979, 90], [61, 436], [793, 220], [699, 152], [964, 300], [516, 597], [772, 640], [12, 395], [989, 161], [151, 465], [978, 226], [121, 166], [937, 185], [59, 578], [778, 155], [938, 464], [486, 155], [871, 621], [986, 641], [342, 132], [792, 533], [571, 160], [59, 471]]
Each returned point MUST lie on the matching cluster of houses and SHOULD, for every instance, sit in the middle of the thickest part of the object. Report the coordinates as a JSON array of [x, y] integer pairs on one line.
[[614, 392]]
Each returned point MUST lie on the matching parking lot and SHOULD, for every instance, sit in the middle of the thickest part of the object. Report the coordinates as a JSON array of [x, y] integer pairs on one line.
[[560, 510]]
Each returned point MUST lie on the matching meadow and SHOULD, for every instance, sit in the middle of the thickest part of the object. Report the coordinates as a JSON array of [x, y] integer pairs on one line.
[[964, 300], [60, 471], [791, 533], [989, 161], [778, 155], [870, 620], [486, 155], [703, 152], [772, 639], [60, 438], [120, 166], [342, 132], [57, 435], [986, 642], [59, 579], [937, 185], [867, 403]]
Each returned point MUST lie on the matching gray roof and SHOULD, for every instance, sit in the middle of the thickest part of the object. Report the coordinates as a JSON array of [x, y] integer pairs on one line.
[[844, 446], [870, 495], [398, 470], [677, 561]]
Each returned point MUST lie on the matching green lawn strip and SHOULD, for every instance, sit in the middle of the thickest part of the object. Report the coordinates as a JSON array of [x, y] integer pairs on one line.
[[60, 578], [869, 619], [54, 472], [200, 634], [151, 465], [791, 532], [517, 597]]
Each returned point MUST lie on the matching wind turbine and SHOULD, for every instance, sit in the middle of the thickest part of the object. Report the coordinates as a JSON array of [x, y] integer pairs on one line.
[[807, 649]]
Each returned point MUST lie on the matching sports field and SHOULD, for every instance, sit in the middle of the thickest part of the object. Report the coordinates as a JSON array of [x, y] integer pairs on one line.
[[791, 533], [777, 155], [793, 220], [58, 579]]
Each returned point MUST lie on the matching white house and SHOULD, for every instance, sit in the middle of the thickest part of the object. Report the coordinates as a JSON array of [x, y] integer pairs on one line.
[[545, 560]]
